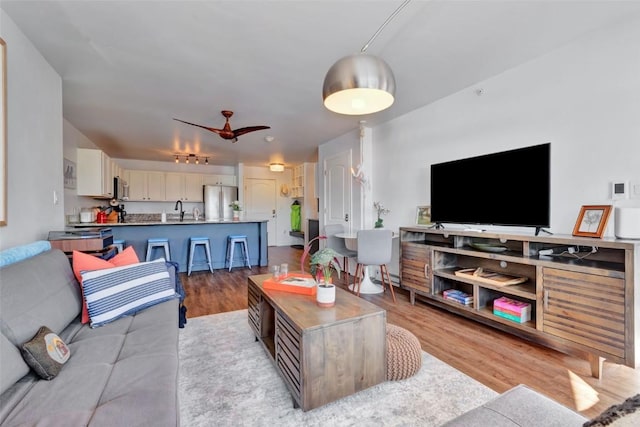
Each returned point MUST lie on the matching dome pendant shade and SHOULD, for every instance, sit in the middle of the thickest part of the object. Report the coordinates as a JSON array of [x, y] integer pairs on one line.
[[359, 84]]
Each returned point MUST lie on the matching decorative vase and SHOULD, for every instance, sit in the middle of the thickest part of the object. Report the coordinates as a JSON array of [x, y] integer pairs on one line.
[[236, 215], [326, 294], [379, 224]]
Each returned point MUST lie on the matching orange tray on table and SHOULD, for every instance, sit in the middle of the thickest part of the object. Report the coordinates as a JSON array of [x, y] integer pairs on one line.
[[297, 283]]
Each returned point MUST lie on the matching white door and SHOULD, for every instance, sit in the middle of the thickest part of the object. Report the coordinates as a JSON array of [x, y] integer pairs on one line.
[[337, 189], [260, 203]]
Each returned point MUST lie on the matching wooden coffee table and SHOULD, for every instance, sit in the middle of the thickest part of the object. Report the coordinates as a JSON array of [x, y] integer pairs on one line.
[[322, 354]]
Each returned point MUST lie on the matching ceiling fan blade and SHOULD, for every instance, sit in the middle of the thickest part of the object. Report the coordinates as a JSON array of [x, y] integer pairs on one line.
[[242, 131], [200, 126]]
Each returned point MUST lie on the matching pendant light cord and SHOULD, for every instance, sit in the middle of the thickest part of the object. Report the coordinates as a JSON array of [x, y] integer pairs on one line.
[[384, 24]]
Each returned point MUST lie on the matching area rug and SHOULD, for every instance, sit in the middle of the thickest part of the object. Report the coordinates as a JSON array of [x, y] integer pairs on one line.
[[227, 379]]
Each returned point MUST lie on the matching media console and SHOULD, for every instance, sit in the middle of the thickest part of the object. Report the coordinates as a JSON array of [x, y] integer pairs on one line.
[[582, 303]]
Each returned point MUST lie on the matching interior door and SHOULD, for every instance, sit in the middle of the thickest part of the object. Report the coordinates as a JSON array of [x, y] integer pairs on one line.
[[260, 203], [337, 189]]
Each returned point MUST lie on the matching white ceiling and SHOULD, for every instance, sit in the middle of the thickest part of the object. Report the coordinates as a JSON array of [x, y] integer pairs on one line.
[[129, 67]]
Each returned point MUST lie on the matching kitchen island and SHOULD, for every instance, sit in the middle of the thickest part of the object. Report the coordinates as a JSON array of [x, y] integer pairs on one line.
[[178, 232]]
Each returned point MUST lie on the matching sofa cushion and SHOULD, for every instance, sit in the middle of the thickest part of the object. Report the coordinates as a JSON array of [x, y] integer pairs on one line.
[[115, 292], [519, 407], [85, 262], [123, 373], [46, 353], [38, 291], [13, 365]]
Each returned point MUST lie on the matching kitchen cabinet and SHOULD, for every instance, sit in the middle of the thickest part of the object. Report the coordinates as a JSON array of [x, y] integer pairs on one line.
[[94, 173], [183, 186], [210, 179], [146, 186]]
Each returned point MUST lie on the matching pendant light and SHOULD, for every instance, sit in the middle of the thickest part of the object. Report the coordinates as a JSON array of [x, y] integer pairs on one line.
[[361, 83]]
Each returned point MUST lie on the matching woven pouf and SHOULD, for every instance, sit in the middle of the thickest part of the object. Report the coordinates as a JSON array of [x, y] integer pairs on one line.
[[404, 355]]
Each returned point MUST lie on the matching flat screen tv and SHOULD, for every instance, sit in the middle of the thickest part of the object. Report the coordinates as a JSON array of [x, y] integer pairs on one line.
[[507, 188]]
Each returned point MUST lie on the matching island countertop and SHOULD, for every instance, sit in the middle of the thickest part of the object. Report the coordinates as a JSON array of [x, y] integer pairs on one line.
[[179, 232]]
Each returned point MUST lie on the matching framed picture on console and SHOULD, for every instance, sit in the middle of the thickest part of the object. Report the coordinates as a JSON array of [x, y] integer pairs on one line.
[[423, 215], [592, 220]]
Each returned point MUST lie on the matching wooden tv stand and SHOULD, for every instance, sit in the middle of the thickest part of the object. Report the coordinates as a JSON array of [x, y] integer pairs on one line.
[[322, 354], [585, 307]]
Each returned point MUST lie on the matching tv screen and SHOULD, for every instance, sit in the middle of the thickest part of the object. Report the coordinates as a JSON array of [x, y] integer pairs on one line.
[[506, 188]]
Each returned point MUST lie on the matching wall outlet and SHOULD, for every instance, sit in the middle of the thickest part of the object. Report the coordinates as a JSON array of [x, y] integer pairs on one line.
[[634, 189]]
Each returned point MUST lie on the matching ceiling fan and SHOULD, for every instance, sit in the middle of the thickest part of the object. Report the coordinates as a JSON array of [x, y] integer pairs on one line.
[[226, 132]]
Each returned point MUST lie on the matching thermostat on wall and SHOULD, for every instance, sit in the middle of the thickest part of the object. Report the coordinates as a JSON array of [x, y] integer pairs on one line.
[[618, 190]]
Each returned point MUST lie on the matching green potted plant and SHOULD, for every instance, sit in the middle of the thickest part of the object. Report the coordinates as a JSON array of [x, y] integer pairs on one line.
[[381, 211], [322, 262], [235, 205]]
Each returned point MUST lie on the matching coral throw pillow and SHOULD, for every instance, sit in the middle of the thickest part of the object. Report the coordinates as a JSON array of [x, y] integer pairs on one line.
[[85, 262]]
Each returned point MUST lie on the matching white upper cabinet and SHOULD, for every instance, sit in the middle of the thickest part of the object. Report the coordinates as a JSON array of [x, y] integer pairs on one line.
[[183, 186], [94, 173], [147, 186], [219, 180]]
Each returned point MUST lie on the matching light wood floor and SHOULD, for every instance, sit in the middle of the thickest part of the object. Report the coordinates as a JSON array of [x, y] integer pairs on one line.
[[494, 358]]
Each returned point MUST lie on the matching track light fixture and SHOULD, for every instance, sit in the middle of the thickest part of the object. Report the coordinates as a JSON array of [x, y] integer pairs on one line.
[[188, 158], [361, 83]]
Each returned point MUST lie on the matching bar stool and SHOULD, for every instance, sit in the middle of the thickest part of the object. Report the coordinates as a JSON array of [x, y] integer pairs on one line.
[[231, 243], [119, 244], [160, 242], [194, 242]]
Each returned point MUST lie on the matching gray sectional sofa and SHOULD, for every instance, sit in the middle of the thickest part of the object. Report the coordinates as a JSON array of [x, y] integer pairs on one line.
[[519, 407], [122, 373]]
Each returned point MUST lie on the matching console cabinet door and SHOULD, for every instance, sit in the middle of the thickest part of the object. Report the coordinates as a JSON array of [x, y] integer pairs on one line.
[[585, 308], [416, 267]]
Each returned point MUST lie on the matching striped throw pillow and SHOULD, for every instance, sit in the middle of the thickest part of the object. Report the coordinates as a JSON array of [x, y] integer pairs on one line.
[[115, 292]]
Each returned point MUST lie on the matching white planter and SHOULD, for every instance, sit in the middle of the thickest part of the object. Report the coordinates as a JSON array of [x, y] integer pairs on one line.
[[326, 295]]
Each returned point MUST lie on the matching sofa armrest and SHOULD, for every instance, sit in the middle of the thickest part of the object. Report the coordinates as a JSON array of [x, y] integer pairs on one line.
[[521, 407]]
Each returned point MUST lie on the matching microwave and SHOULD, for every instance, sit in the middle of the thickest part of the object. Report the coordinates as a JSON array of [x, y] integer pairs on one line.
[[120, 189]]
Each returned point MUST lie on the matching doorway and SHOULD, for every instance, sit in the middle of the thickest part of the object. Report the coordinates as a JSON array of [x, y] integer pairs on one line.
[[337, 190], [260, 203]]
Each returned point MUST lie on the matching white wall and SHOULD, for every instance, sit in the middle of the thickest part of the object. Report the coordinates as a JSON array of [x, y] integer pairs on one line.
[[582, 98], [34, 151], [74, 139]]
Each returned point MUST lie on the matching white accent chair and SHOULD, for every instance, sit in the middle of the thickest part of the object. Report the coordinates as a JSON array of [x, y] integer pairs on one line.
[[375, 247], [338, 245]]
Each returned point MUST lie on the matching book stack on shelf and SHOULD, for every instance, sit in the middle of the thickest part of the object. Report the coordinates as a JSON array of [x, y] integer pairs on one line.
[[516, 311], [457, 296]]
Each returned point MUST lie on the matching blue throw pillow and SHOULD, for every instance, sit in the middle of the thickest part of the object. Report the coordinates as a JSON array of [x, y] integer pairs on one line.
[[115, 292]]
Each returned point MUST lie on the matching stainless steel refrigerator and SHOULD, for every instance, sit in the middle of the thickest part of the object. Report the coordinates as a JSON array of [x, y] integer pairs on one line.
[[217, 199]]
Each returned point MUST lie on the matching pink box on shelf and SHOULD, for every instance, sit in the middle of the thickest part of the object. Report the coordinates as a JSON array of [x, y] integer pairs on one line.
[[512, 309]]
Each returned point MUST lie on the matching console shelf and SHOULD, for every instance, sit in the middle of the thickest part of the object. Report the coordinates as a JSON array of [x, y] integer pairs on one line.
[[580, 303]]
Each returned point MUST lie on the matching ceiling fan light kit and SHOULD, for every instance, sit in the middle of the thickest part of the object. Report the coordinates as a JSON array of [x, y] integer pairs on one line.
[[226, 132], [276, 167], [361, 84]]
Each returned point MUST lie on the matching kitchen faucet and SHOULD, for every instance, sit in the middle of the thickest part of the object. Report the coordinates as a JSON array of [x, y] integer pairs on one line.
[[181, 211]]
